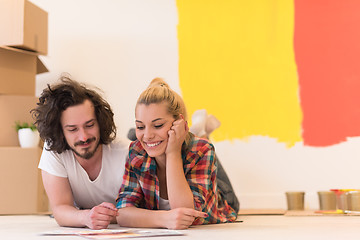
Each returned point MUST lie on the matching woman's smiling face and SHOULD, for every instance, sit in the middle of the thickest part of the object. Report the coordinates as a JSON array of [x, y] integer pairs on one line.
[[152, 125]]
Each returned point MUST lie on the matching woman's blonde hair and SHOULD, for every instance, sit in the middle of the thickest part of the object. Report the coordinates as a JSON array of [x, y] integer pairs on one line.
[[159, 91]]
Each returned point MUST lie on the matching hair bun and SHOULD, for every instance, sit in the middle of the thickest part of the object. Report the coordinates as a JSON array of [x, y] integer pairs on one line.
[[158, 82]]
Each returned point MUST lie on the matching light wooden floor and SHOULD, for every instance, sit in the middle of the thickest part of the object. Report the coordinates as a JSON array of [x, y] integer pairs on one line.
[[253, 227]]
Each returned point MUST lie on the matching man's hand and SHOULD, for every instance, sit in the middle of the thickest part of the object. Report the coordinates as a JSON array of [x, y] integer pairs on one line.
[[182, 218], [100, 216]]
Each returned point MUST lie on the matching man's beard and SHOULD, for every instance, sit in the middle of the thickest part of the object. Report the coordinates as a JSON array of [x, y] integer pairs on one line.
[[87, 154]]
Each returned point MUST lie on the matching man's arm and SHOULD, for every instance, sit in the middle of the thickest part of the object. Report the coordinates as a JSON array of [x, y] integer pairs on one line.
[[66, 214]]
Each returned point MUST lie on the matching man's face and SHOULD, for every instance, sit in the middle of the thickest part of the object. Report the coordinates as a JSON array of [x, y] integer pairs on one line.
[[81, 129]]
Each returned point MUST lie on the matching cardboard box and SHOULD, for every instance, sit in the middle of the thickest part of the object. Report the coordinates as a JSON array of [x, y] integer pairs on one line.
[[21, 190], [14, 108], [18, 69], [23, 25]]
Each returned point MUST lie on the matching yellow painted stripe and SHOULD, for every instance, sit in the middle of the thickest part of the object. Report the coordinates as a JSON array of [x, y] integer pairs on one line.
[[236, 60]]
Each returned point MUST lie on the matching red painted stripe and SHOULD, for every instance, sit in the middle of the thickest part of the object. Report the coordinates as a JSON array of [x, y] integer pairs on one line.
[[327, 52]]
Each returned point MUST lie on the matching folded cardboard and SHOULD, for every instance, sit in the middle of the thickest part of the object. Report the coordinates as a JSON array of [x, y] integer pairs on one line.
[[18, 69], [23, 25], [14, 108], [22, 191]]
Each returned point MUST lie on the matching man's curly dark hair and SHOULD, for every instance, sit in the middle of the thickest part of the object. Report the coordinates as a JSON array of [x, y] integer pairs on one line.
[[57, 98]]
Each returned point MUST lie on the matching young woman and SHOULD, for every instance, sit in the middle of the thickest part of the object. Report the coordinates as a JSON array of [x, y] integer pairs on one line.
[[170, 175]]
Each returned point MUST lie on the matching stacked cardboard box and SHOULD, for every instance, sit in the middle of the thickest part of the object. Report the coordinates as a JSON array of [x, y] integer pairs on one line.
[[23, 37]]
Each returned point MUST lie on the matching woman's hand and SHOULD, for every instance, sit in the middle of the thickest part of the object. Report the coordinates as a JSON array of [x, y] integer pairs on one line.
[[182, 218], [177, 134]]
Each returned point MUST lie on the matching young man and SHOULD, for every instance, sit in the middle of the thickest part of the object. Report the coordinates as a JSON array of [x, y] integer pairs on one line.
[[82, 167]]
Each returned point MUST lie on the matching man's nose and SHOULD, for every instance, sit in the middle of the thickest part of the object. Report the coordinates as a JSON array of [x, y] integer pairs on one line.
[[83, 135]]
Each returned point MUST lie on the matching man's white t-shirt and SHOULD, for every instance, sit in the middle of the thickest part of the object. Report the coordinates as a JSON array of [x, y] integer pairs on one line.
[[87, 193]]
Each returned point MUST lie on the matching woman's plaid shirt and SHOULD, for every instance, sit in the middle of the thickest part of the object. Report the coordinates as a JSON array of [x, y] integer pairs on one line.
[[140, 187]]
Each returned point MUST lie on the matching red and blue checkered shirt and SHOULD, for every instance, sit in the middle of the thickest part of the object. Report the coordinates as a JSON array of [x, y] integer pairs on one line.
[[140, 187]]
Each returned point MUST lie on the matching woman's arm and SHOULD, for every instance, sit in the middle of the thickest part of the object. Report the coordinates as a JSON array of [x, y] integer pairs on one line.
[[178, 189], [180, 218], [62, 204], [179, 192]]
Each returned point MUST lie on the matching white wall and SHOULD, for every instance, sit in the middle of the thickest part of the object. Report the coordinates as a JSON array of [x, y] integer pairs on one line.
[[262, 170], [116, 45], [120, 45]]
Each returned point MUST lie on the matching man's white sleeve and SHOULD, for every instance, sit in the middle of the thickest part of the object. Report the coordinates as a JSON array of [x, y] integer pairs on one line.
[[52, 163]]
